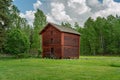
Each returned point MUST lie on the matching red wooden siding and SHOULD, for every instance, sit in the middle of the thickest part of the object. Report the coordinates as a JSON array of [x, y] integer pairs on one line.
[[51, 38], [71, 45], [59, 44]]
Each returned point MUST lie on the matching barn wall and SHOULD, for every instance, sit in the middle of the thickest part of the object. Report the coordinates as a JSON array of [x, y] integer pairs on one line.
[[47, 51], [71, 46], [51, 33], [51, 38]]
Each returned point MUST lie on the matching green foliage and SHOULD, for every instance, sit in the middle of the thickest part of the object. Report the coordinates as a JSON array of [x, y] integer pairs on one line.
[[66, 24], [76, 26], [39, 53], [4, 12], [2, 39], [98, 37], [24, 55], [16, 42], [17, 33], [85, 68], [101, 36], [4, 20], [39, 23]]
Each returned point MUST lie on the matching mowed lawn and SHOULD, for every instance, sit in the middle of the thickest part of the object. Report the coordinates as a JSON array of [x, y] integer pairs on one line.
[[85, 68]]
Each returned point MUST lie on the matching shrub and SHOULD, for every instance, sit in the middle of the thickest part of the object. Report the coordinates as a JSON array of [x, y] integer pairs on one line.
[[24, 55], [16, 42], [39, 53]]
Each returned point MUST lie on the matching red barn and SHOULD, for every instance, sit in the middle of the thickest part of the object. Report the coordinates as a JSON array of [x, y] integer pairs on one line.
[[60, 42]]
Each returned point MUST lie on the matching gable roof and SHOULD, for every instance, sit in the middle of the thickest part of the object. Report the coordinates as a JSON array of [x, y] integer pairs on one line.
[[62, 29]]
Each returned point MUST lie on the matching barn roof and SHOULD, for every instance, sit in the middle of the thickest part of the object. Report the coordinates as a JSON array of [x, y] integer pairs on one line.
[[63, 29]]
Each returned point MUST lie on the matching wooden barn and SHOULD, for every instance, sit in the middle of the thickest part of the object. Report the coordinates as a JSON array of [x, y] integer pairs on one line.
[[60, 42]]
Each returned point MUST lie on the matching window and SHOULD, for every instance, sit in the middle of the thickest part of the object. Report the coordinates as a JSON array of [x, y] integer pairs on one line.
[[51, 40], [52, 50]]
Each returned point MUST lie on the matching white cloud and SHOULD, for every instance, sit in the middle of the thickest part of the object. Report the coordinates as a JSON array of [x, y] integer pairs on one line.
[[22, 15], [58, 13], [73, 10], [29, 15], [69, 10], [112, 8], [79, 6], [50, 18], [37, 5], [95, 5]]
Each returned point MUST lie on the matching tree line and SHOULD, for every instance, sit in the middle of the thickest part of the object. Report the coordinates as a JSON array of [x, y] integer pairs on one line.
[[101, 36], [16, 35], [98, 37]]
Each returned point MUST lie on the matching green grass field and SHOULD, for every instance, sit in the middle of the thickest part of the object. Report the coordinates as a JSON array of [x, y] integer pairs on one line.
[[85, 68]]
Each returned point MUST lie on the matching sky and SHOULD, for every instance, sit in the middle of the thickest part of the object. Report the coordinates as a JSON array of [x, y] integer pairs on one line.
[[58, 11]]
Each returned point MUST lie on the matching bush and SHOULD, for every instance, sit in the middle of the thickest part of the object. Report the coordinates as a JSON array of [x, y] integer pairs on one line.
[[39, 53], [16, 42], [24, 55]]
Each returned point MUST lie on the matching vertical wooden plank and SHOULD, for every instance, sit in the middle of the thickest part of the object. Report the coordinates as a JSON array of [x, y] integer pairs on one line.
[[62, 45], [78, 46], [42, 46]]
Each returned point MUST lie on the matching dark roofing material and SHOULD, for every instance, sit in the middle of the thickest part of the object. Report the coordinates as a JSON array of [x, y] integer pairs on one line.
[[64, 29]]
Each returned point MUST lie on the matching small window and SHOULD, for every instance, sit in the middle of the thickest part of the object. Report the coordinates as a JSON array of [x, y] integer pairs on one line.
[[52, 50], [51, 40]]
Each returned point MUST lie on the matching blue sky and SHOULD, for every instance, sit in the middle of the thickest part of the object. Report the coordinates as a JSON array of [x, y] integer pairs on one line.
[[68, 10], [117, 0], [24, 5]]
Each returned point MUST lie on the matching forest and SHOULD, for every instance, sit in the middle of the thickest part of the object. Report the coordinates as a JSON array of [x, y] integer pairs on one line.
[[98, 37]]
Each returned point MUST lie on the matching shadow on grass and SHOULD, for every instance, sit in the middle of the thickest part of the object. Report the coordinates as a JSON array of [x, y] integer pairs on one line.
[[15, 58], [7, 58], [19, 56], [114, 65]]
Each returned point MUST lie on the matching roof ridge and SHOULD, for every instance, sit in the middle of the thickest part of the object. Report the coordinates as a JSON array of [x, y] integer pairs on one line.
[[71, 30], [63, 28]]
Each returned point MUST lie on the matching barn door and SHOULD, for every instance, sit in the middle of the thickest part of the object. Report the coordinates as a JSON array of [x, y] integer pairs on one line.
[[52, 53]]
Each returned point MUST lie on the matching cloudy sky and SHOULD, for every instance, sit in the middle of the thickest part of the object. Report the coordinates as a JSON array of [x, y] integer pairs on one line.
[[68, 10]]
